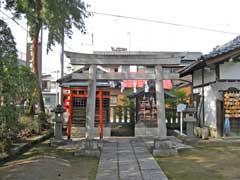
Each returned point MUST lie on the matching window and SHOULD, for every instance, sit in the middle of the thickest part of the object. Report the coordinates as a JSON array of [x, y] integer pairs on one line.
[[115, 69], [46, 85], [79, 102], [47, 100], [125, 68], [140, 69], [113, 99], [53, 85]]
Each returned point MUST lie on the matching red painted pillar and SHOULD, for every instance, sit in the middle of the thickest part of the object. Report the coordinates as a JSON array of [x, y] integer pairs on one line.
[[69, 129], [101, 113]]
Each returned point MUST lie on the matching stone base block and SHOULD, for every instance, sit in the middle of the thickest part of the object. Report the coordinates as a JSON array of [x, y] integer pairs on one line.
[[88, 148], [145, 131], [88, 153], [57, 142], [164, 147], [164, 152], [79, 132], [165, 144]]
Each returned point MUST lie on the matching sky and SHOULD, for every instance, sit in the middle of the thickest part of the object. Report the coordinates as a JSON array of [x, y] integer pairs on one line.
[[108, 31]]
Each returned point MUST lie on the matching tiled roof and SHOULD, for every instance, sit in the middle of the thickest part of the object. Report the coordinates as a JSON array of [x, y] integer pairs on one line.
[[220, 50], [217, 51]]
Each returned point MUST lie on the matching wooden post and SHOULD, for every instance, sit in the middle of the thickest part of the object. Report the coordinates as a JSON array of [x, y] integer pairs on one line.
[[162, 130], [91, 102], [101, 114]]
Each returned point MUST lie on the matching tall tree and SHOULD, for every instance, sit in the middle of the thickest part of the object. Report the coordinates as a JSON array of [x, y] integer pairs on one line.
[[8, 83], [54, 15]]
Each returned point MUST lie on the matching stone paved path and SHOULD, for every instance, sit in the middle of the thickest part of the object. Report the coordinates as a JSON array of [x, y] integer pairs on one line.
[[127, 159]]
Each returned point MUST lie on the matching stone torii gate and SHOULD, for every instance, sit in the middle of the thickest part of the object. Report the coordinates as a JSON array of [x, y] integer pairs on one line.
[[159, 60]]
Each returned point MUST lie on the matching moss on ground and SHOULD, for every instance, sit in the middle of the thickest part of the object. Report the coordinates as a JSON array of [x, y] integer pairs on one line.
[[205, 161], [45, 162]]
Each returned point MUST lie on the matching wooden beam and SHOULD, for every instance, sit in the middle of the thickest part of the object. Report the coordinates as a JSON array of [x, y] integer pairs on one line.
[[124, 76], [125, 59]]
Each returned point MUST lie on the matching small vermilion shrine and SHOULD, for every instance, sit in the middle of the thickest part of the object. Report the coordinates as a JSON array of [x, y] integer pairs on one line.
[[75, 102]]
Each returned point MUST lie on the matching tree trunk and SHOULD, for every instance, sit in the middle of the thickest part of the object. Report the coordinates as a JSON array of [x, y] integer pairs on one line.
[[35, 68]]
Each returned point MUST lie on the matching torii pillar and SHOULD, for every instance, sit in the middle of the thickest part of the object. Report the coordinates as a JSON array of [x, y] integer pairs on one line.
[[91, 102], [161, 119]]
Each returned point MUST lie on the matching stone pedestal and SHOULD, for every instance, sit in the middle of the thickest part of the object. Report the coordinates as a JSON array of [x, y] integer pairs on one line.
[[89, 147], [164, 147], [190, 122], [58, 128]]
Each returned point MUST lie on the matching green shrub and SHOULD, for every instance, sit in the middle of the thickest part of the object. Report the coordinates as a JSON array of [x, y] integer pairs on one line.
[[29, 126]]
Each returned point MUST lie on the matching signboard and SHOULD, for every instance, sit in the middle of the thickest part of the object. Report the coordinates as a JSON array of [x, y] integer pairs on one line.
[[181, 107], [232, 104]]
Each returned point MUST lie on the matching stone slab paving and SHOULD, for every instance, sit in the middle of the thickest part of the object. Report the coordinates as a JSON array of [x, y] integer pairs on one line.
[[127, 159]]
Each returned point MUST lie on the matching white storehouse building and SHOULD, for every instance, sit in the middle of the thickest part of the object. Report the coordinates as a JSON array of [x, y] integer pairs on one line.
[[216, 89]]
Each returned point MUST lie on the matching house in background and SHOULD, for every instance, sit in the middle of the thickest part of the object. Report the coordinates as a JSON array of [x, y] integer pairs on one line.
[[50, 91], [216, 85], [185, 83]]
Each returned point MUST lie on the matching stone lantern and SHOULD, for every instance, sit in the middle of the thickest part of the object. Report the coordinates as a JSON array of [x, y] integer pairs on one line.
[[190, 120], [59, 110]]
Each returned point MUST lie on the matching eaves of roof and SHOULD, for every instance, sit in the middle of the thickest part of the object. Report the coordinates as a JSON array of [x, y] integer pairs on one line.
[[192, 67]]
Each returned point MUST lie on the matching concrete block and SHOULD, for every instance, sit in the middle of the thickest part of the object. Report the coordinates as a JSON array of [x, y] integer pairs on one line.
[[163, 144], [197, 131], [145, 131], [164, 152], [164, 147], [88, 148], [213, 132], [205, 132], [88, 152], [80, 132], [57, 142]]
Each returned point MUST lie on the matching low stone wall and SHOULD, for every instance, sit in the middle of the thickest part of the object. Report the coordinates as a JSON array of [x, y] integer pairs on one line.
[[25, 147], [79, 132], [145, 131]]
